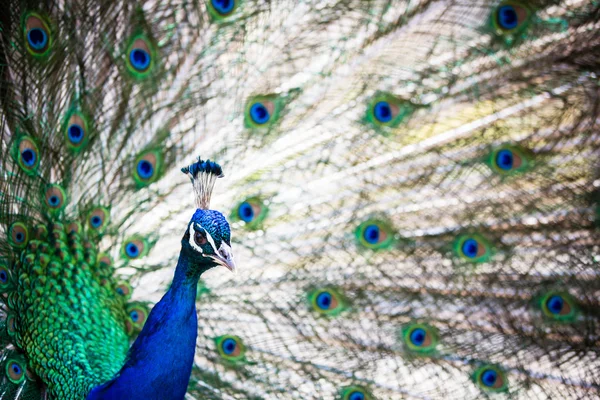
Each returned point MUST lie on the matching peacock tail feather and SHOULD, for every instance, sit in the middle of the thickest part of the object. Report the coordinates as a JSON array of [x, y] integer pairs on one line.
[[412, 188]]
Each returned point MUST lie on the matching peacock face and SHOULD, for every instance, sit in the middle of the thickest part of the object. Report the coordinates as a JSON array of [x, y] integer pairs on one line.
[[208, 238]]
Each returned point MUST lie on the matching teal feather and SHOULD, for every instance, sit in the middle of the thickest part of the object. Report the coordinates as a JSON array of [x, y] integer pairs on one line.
[[412, 189]]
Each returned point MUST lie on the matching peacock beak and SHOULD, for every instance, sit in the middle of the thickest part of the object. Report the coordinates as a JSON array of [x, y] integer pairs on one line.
[[224, 257]]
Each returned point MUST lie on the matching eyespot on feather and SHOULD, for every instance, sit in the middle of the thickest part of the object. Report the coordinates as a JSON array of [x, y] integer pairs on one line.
[[509, 160], [385, 110], [327, 301], [491, 378], [558, 306], [97, 219], [137, 314], [55, 198], [219, 10], [134, 248], [148, 168], [18, 235], [15, 371], [11, 325], [420, 338], [262, 112], [510, 17], [375, 234], [230, 347], [252, 212], [5, 274], [124, 289], [104, 260], [473, 248], [355, 393], [141, 56], [37, 34], [76, 131], [26, 154], [73, 228]]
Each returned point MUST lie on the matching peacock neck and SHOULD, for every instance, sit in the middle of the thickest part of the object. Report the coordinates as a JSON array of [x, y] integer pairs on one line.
[[163, 354], [186, 275]]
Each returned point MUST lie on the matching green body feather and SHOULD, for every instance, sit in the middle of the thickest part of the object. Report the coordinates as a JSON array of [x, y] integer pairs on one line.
[[67, 319]]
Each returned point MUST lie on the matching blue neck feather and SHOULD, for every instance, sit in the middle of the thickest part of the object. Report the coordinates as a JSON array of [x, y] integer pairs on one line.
[[160, 361]]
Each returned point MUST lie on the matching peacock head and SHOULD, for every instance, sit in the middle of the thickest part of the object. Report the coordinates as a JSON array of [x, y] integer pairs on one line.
[[207, 240]]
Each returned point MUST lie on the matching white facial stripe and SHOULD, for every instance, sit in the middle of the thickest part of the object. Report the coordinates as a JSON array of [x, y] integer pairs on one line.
[[212, 242], [198, 248], [192, 242]]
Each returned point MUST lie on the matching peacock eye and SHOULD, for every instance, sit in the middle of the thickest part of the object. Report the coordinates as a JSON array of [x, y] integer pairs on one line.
[[137, 313], [15, 371], [510, 16], [132, 250], [355, 393], [491, 378], [230, 347], [505, 160], [327, 301], [27, 155], [55, 198], [221, 9], [555, 304], [148, 167], [510, 160], [387, 110], [199, 238], [135, 247], [18, 235], [75, 131], [104, 260], [4, 277], [473, 248], [262, 112], [98, 218], [252, 211], [559, 306], [375, 234], [246, 212], [74, 228], [124, 289], [420, 338], [38, 38], [383, 111], [141, 56], [357, 396]]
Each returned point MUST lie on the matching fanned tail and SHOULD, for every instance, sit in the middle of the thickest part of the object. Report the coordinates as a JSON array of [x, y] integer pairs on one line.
[[412, 186]]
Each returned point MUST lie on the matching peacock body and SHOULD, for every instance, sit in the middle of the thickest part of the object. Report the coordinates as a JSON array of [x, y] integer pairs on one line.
[[411, 189]]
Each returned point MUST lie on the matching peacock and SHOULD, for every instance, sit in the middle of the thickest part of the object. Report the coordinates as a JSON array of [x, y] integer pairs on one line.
[[411, 189]]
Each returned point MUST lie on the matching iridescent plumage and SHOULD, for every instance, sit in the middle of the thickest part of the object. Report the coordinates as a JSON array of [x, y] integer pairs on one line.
[[412, 189]]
